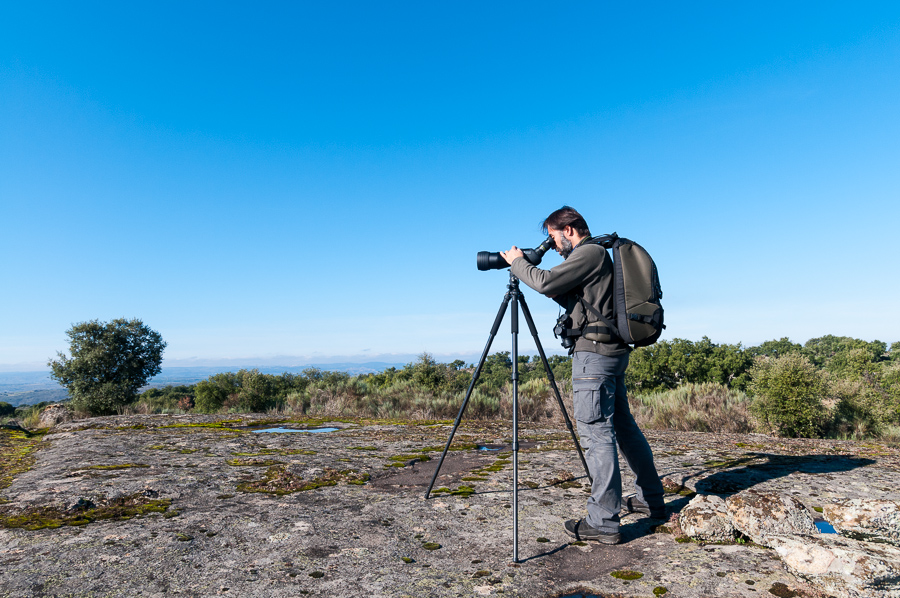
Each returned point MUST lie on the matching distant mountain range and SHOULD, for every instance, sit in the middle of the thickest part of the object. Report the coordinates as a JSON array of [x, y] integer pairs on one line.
[[30, 388]]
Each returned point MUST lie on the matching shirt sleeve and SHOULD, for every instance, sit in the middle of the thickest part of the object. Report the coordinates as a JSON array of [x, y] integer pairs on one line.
[[561, 278]]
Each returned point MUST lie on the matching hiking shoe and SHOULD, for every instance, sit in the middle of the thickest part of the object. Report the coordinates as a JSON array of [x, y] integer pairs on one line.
[[580, 530], [632, 504]]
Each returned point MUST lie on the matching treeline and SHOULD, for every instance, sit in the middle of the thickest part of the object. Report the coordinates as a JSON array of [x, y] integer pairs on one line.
[[830, 386]]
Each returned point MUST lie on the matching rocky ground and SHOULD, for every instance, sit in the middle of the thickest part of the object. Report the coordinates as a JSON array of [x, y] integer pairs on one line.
[[189, 505]]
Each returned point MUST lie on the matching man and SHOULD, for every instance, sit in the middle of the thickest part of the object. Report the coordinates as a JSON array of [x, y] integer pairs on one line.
[[598, 377]]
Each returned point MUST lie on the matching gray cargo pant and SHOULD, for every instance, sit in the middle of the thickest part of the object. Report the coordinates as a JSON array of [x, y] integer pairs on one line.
[[604, 420]]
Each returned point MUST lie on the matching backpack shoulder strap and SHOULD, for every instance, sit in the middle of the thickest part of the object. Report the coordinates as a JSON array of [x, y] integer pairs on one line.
[[604, 319]]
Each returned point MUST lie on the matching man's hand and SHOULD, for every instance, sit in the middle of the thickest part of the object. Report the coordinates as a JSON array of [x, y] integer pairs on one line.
[[511, 255]]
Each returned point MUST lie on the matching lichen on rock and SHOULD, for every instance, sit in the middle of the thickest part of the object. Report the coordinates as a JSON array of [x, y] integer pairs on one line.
[[706, 518], [761, 514]]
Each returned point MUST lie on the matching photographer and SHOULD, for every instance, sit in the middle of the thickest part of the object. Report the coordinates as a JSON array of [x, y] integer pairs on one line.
[[598, 376]]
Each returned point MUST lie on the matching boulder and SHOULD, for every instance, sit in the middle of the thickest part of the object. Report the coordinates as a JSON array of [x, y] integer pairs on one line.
[[53, 415], [843, 567], [706, 518], [761, 514], [864, 519]]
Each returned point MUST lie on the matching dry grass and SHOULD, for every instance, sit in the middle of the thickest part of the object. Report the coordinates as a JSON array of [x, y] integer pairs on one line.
[[706, 407]]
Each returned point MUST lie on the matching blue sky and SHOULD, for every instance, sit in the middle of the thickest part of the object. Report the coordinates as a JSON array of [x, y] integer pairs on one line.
[[314, 180]]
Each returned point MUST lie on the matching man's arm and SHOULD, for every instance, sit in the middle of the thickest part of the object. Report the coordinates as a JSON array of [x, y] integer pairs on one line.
[[561, 278]]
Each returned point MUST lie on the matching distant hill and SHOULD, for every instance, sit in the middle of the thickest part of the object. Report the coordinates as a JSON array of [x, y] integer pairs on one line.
[[29, 388], [33, 397]]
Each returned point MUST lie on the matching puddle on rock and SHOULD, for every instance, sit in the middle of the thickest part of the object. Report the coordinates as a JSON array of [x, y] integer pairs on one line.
[[824, 527], [284, 430]]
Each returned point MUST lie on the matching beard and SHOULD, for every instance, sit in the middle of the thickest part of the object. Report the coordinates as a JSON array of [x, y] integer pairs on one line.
[[566, 248]]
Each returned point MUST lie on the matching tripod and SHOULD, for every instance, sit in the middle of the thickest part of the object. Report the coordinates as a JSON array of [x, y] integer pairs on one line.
[[514, 296]]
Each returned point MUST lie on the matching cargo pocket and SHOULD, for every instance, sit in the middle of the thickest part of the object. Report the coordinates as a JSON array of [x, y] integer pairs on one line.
[[593, 399]]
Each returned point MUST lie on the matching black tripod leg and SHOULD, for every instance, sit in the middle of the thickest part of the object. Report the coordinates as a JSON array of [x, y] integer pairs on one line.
[[537, 343], [500, 313]]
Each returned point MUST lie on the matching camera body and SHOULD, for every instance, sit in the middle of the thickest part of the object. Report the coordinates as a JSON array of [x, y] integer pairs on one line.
[[560, 332]]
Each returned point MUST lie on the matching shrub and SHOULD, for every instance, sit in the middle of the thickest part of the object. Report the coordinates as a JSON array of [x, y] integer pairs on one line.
[[788, 393], [6, 409], [166, 399]]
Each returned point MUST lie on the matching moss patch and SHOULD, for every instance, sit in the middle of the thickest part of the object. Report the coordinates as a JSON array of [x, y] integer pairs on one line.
[[404, 460], [463, 491], [279, 481], [251, 462], [117, 466], [627, 575], [16, 453], [228, 424], [125, 507]]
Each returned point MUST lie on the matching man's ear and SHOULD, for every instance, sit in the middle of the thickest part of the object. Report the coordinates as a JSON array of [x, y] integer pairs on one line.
[[569, 231]]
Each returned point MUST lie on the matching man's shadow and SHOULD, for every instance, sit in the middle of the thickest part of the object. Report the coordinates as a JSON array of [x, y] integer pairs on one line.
[[739, 474]]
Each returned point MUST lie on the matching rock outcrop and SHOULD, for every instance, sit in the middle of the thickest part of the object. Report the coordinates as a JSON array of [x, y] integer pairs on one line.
[[873, 520], [759, 515], [53, 415], [843, 567], [201, 505], [706, 518]]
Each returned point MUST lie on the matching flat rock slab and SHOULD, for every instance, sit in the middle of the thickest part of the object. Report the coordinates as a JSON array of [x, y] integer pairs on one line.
[[381, 537]]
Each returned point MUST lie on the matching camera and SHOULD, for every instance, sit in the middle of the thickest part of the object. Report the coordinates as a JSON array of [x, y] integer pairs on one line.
[[488, 260], [559, 331]]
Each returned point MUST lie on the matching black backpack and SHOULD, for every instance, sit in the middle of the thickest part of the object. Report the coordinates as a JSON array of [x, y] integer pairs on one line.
[[637, 308]]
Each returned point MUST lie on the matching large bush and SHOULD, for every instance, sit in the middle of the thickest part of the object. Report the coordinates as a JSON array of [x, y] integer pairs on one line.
[[788, 395]]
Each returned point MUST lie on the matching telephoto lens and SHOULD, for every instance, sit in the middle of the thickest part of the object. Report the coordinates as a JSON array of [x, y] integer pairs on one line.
[[492, 260]]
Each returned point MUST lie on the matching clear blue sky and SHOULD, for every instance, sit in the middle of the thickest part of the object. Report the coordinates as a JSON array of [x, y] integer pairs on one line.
[[314, 179]]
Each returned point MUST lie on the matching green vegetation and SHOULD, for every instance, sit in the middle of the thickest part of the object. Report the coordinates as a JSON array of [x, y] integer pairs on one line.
[[831, 386], [110, 361], [16, 453], [124, 507], [280, 480], [627, 575]]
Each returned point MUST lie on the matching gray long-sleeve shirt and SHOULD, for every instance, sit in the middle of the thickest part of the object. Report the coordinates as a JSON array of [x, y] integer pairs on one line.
[[588, 272]]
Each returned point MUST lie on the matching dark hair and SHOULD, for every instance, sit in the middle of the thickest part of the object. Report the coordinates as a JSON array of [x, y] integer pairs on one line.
[[566, 216]]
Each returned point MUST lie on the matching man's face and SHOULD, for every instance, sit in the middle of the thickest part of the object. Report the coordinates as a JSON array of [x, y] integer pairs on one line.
[[562, 245]]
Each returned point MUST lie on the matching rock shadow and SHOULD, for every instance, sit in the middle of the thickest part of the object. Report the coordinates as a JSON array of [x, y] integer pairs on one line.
[[751, 469]]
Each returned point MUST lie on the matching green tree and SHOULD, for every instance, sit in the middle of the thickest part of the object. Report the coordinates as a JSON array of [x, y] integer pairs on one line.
[[496, 371], [788, 393], [257, 392], [823, 350], [667, 364], [212, 393], [109, 362], [774, 348]]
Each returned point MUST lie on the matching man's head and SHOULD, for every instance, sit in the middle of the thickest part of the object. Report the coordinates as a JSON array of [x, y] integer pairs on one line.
[[567, 227]]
